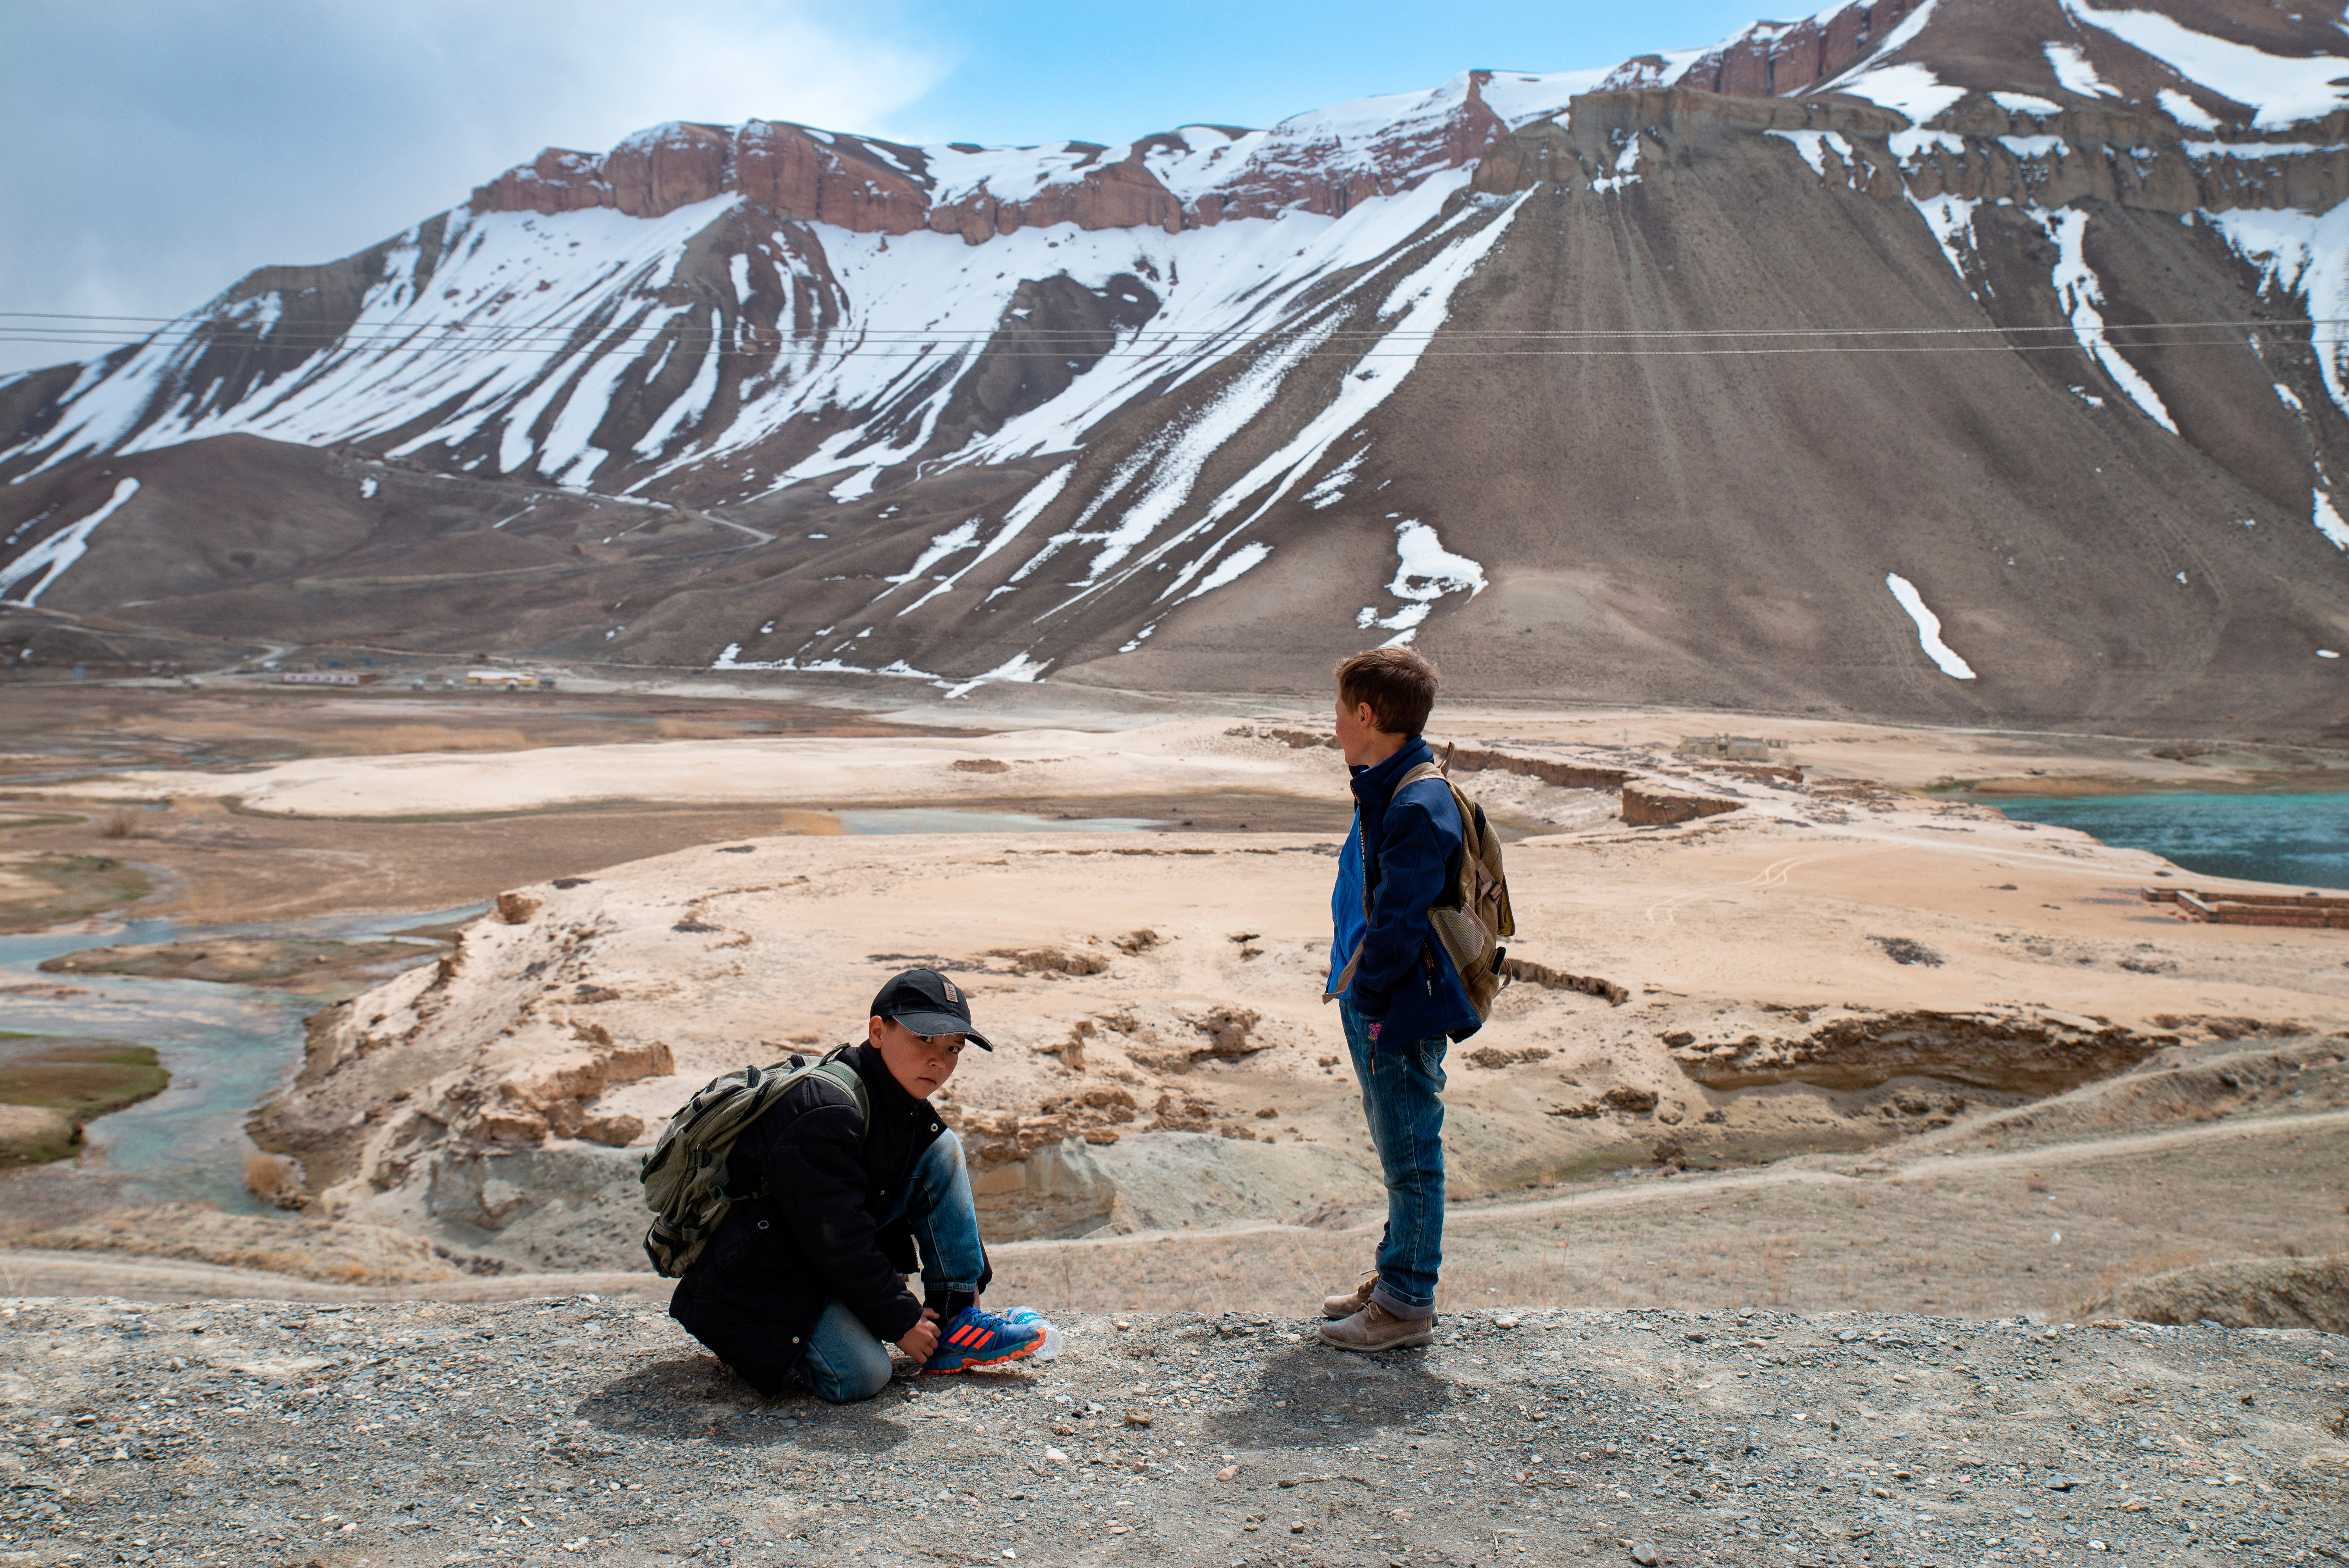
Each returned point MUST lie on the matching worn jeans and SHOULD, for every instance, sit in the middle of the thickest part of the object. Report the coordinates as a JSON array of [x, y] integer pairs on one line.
[[844, 1361], [1403, 1081]]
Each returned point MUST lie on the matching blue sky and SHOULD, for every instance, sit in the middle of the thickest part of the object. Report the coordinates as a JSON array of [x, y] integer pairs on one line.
[[161, 149]]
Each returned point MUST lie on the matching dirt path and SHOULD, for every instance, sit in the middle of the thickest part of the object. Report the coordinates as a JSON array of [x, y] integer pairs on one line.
[[2035, 1232]]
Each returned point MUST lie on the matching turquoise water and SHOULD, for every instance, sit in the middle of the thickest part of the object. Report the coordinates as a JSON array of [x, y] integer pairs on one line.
[[227, 1047], [2298, 841], [927, 819]]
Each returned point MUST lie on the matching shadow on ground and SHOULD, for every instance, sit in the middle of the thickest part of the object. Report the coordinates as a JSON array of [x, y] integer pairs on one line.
[[679, 1399], [1309, 1397]]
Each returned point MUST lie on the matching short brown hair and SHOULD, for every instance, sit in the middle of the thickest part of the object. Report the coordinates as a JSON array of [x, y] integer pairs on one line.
[[1398, 683]]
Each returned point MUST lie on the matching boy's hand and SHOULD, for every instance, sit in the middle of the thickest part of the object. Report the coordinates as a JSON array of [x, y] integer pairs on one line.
[[923, 1337]]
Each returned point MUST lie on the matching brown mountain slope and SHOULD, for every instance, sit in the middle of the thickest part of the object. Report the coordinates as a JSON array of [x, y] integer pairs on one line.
[[1997, 315]]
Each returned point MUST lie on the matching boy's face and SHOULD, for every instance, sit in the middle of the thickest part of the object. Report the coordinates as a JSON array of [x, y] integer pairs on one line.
[[920, 1063], [1360, 738]]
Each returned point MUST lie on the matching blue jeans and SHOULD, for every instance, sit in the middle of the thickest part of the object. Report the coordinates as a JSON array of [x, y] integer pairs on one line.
[[844, 1361], [1402, 1082]]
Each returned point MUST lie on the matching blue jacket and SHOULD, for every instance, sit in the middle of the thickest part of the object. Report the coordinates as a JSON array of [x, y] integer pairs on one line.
[[1408, 853]]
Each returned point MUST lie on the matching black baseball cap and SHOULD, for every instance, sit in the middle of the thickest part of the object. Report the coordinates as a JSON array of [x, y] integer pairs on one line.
[[927, 1002]]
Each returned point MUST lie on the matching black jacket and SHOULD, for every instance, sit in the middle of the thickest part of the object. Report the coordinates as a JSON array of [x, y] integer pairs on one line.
[[757, 1289]]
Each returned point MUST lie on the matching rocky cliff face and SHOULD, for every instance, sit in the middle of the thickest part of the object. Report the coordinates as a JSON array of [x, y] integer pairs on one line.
[[1778, 57], [1608, 384], [865, 186]]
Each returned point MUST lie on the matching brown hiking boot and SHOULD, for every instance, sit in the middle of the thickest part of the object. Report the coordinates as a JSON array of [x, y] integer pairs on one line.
[[1354, 1300], [1376, 1328]]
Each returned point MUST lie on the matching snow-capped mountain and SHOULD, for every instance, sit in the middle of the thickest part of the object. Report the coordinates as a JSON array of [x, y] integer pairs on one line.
[[1935, 357]]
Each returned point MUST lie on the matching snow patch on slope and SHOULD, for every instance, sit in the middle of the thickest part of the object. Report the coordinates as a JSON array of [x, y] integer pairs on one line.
[[1232, 567], [1929, 628], [1814, 146], [60, 550], [1418, 306], [1427, 573], [1025, 511], [2328, 522], [2280, 90], [1904, 87], [1951, 219], [2082, 295], [2185, 110], [2305, 254], [580, 282], [2074, 73], [1907, 88], [1017, 667]]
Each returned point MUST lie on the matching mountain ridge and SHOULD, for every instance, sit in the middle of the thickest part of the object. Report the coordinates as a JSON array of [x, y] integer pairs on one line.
[[1214, 406]]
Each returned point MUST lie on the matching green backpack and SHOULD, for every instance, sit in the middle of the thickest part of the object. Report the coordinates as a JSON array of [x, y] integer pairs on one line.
[[1477, 915], [686, 1184]]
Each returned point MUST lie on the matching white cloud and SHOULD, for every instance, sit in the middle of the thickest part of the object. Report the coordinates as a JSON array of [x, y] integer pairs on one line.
[[160, 150]]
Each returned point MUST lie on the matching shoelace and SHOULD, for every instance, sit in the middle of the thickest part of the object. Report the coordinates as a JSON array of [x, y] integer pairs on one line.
[[986, 1323]]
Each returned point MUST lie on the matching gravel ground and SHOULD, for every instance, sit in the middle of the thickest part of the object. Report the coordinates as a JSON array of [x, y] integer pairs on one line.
[[394, 1435]]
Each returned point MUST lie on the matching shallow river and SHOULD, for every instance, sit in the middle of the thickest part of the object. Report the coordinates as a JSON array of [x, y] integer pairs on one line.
[[2301, 841], [228, 1048], [225, 1047]]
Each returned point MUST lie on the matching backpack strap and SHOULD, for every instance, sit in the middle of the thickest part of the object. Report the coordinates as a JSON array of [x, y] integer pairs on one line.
[[1337, 987], [835, 1071]]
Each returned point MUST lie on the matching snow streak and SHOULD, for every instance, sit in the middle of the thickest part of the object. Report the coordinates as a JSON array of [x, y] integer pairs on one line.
[[1929, 628], [2082, 295], [60, 550], [1426, 574]]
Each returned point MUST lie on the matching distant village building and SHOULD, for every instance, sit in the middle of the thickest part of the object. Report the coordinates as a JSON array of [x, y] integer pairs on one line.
[[513, 680], [1735, 747], [327, 677]]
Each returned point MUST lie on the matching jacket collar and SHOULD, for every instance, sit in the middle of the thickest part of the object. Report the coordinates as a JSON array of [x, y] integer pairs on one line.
[[888, 1094], [1376, 782]]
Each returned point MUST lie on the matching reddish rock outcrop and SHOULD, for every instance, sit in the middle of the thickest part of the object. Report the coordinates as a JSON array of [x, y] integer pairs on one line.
[[783, 168], [1773, 60], [1317, 172], [1645, 805], [870, 187], [839, 180], [556, 181], [658, 172], [1120, 195]]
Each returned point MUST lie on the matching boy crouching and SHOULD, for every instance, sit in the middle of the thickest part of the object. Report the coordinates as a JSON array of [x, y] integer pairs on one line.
[[808, 1277]]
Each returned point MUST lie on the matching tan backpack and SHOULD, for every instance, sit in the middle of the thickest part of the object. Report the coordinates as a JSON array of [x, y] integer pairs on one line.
[[1478, 916]]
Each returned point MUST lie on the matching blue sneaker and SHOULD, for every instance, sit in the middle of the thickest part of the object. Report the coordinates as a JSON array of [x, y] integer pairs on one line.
[[976, 1340], [1029, 1317]]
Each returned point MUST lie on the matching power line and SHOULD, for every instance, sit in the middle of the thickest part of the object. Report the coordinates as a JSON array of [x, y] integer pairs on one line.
[[191, 326], [2080, 344], [78, 331]]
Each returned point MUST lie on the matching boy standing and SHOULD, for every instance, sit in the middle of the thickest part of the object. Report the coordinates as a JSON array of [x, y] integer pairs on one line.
[[808, 1277], [1397, 994]]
